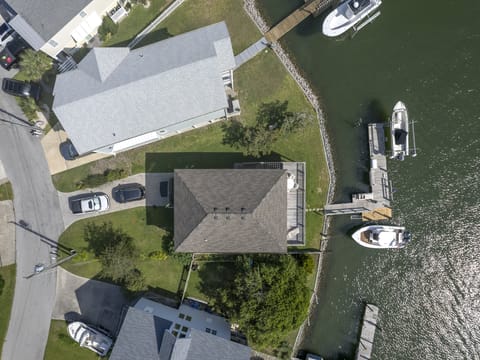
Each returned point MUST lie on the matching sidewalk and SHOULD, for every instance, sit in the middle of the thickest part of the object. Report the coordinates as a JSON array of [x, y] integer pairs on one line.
[[7, 233]]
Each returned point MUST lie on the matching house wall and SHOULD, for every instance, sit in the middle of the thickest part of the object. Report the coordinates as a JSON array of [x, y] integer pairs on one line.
[[64, 40], [199, 320], [159, 134]]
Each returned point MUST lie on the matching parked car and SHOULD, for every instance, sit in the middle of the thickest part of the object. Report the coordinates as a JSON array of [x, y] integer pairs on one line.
[[6, 34], [128, 192], [88, 203], [68, 151], [9, 55], [90, 337], [21, 88]]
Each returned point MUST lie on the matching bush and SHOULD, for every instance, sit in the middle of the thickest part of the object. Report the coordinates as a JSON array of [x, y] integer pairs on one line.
[[158, 255], [107, 29], [29, 108], [34, 64], [134, 280], [94, 180]]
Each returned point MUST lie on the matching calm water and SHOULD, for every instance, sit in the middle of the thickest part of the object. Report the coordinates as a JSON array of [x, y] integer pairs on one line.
[[427, 54]]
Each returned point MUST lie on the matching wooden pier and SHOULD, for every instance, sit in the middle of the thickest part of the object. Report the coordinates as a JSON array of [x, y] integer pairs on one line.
[[312, 7], [376, 204], [369, 325]]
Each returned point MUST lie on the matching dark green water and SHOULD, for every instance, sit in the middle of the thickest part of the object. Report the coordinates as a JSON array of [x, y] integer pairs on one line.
[[427, 54]]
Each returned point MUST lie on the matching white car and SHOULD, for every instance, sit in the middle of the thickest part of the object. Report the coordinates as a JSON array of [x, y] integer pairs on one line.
[[88, 203], [90, 338]]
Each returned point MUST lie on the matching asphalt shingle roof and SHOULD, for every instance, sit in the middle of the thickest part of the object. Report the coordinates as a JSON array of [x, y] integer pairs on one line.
[[117, 93], [47, 17], [230, 211]]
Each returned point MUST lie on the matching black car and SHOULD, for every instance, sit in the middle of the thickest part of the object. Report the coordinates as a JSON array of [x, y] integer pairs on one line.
[[128, 192], [8, 56], [21, 88], [68, 150]]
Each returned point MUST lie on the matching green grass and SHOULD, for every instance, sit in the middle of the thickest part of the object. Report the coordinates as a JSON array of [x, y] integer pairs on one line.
[[61, 346], [194, 14], [6, 191], [148, 227], [138, 18], [7, 274]]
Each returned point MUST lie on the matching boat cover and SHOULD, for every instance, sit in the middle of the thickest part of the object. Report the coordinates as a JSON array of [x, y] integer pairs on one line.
[[358, 5]]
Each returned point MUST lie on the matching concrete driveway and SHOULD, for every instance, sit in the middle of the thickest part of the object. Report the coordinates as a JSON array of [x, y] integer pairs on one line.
[[151, 181], [91, 301]]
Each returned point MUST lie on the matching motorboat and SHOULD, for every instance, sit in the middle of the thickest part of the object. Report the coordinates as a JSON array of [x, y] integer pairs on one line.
[[90, 338], [399, 131], [347, 15], [382, 236]]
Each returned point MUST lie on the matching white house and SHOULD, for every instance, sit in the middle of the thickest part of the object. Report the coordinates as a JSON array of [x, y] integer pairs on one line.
[[120, 98], [53, 26]]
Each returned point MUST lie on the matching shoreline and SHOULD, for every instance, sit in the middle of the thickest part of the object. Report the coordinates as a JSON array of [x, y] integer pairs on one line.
[[252, 11]]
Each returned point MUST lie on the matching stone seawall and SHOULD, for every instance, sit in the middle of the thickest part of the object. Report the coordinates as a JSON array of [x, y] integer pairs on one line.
[[252, 11]]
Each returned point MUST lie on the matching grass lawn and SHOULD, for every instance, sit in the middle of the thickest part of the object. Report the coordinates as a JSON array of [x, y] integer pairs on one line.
[[61, 346], [138, 18], [148, 227], [6, 191], [7, 276]]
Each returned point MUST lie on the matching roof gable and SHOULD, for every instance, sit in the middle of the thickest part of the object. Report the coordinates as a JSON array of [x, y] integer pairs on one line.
[[101, 62], [230, 211]]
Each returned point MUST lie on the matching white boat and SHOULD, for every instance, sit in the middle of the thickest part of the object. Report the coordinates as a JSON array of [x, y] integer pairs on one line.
[[399, 131], [348, 14], [382, 236], [90, 338]]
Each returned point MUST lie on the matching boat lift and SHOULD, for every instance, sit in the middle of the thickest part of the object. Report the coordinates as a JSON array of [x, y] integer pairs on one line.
[[414, 150], [368, 20]]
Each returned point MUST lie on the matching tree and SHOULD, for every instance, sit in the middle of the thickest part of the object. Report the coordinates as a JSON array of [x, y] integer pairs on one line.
[[267, 297], [117, 254], [29, 108], [34, 64], [273, 121]]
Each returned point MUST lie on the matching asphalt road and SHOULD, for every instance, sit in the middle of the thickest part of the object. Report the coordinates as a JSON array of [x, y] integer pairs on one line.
[[36, 202]]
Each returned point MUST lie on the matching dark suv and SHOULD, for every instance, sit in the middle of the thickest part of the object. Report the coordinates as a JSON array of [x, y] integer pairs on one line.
[[21, 88], [128, 192], [8, 56]]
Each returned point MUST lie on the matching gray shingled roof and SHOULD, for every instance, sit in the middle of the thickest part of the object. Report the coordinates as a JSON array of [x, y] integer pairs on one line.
[[47, 17], [202, 346], [116, 93], [230, 211], [140, 337]]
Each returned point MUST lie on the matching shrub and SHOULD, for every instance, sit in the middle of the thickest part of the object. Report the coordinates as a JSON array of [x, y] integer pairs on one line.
[[29, 108], [34, 64], [158, 255], [107, 29], [94, 180]]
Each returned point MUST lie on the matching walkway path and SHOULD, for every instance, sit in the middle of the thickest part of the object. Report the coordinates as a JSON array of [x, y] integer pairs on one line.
[[250, 52], [173, 6]]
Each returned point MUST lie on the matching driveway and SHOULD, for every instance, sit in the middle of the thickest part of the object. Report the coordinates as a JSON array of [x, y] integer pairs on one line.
[[90, 301], [151, 181], [35, 202]]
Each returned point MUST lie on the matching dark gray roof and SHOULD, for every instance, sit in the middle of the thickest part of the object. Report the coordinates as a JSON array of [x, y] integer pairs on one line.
[[230, 211], [140, 337], [47, 17], [202, 346], [117, 93]]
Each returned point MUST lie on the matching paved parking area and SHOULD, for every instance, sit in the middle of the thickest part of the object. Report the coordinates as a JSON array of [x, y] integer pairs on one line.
[[151, 181], [91, 301]]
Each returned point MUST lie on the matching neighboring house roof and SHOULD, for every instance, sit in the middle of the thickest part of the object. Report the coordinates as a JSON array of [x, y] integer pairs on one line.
[[47, 17], [144, 336], [230, 211], [117, 93], [140, 337], [202, 346]]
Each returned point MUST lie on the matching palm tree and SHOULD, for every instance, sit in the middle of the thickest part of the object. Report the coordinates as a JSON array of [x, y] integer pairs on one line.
[[33, 64]]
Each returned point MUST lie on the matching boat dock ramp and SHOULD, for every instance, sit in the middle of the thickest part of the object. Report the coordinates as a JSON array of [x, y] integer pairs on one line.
[[369, 325], [374, 205]]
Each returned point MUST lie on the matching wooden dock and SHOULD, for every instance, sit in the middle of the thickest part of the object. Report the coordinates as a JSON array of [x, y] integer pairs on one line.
[[376, 204], [311, 7], [369, 325]]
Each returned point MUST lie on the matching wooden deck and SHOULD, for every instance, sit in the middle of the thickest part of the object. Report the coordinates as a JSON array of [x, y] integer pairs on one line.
[[376, 204], [311, 7]]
